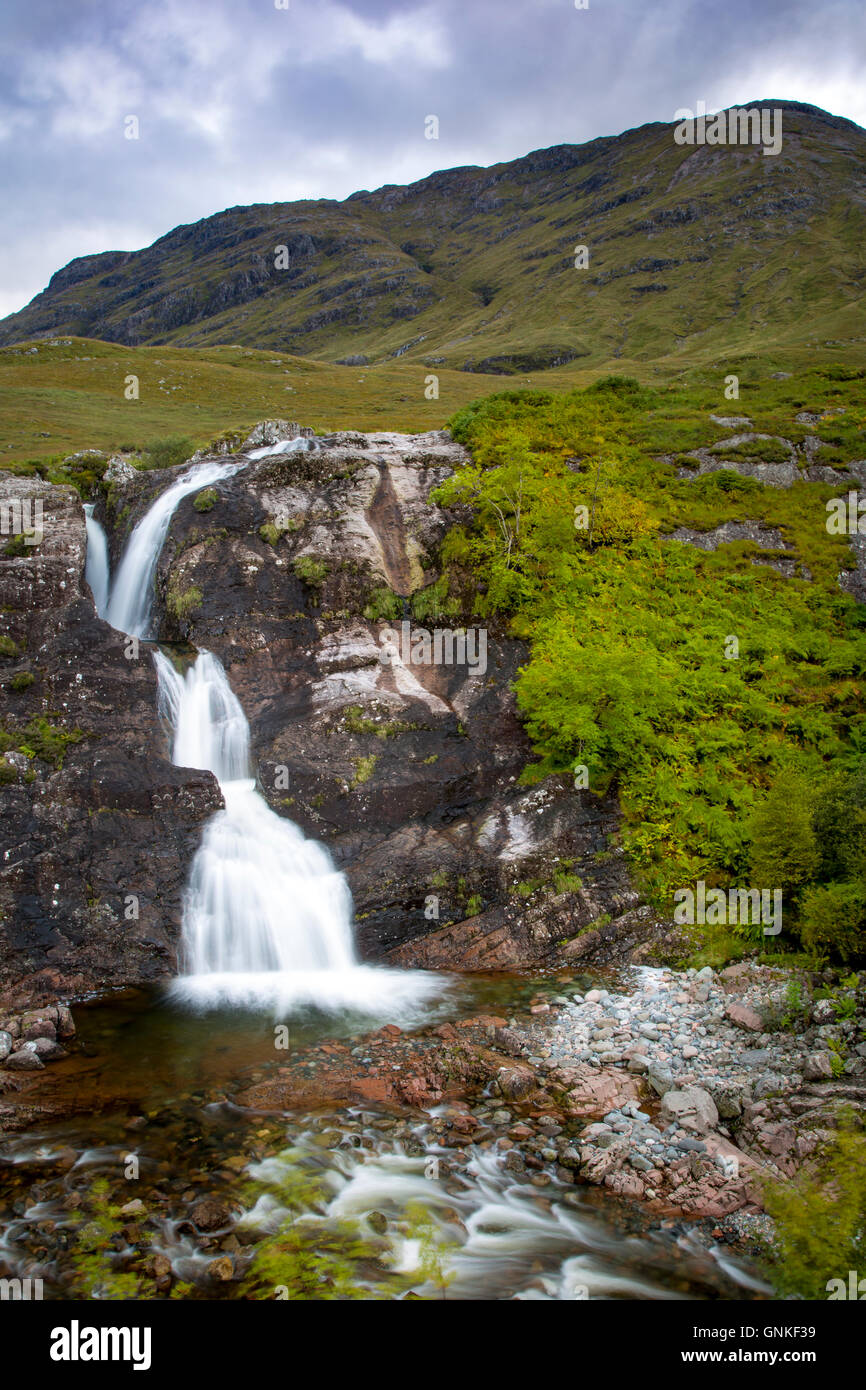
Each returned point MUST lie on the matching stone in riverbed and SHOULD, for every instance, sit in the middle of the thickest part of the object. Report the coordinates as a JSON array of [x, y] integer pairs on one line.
[[5, 1045], [744, 1017], [25, 1059], [693, 1108]]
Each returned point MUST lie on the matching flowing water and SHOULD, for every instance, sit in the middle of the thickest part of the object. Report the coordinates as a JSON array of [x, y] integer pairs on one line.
[[152, 1103], [131, 600], [96, 568]]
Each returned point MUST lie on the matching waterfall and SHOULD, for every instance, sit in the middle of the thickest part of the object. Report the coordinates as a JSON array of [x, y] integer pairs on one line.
[[96, 570], [267, 919], [131, 598]]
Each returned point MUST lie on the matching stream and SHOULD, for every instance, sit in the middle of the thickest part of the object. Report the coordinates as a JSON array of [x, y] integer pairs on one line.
[[148, 1111]]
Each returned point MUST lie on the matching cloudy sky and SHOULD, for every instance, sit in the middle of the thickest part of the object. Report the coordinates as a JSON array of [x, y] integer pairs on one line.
[[239, 101]]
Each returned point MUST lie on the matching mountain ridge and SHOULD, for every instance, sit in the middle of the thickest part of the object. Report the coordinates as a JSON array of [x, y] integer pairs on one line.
[[473, 267]]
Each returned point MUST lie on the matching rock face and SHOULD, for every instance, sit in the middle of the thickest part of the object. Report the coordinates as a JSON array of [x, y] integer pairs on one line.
[[98, 827], [402, 758], [407, 769]]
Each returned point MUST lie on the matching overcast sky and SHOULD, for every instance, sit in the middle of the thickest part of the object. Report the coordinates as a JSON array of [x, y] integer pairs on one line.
[[239, 101]]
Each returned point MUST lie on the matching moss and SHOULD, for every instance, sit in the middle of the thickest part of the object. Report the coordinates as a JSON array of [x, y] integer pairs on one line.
[[270, 532], [206, 500], [383, 605], [8, 646], [310, 570], [22, 680], [41, 739], [182, 603], [364, 769]]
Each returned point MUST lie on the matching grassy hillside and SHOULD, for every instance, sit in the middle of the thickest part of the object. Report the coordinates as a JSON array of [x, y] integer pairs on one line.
[[693, 251], [62, 395], [719, 688]]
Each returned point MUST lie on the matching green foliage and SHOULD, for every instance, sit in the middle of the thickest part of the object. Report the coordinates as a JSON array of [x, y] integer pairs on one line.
[[42, 739], [383, 605], [310, 570], [630, 669], [8, 646], [307, 1258], [167, 452], [206, 500], [270, 532], [784, 853], [820, 1219], [434, 604], [433, 1249], [364, 769], [97, 1248], [22, 680], [182, 603]]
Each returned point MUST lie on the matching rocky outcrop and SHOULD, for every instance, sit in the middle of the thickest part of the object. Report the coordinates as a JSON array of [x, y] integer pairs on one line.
[[407, 769], [98, 827]]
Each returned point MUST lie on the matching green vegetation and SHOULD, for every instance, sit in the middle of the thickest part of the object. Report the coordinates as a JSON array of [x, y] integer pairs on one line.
[[40, 739], [167, 452], [820, 1218], [8, 646], [364, 769], [383, 606], [704, 687], [22, 680], [270, 532], [307, 1258], [310, 570], [182, 603], [206, 500]]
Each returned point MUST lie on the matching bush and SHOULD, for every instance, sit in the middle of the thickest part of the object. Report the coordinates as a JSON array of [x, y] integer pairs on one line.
[[833, 919], [820, 1220], [168, 452]]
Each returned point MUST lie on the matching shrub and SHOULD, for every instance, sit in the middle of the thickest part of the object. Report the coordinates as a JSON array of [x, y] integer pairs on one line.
[[833, 919], [820, 1220], [167, 452]]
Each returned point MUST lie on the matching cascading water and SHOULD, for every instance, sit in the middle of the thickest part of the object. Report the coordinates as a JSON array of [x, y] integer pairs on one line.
[[96, 568], [267, 919], [131, 599]]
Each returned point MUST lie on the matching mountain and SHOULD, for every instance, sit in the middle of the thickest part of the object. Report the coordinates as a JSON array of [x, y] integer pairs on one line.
[[691, 249]]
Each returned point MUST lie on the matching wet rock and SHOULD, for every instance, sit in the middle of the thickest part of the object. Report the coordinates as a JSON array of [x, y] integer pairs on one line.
[[210, 1214]]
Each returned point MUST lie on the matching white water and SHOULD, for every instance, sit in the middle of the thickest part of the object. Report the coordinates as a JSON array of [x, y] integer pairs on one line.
[[267, 919], [96, 569], [131, 599]]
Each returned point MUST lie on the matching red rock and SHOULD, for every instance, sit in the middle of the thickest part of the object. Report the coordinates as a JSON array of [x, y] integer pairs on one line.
[[744, 1017], [370, 1088]]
